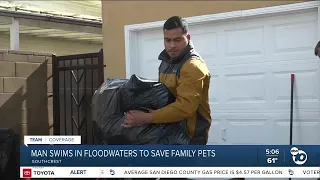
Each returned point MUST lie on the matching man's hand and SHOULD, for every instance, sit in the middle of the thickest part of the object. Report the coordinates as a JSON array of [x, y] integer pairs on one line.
[[137, 118]]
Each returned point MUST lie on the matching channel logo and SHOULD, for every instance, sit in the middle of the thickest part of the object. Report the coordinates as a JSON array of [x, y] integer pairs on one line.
[[26, 173], [298, 156]]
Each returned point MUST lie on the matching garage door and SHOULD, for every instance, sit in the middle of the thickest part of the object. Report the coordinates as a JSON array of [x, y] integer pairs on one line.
[[251, 61]]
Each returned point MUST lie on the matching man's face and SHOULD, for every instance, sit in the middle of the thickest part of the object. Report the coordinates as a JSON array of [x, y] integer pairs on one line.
[[175, 41]]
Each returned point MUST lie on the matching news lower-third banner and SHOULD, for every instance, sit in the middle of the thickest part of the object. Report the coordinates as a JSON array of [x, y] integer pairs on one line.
[[169, 156]]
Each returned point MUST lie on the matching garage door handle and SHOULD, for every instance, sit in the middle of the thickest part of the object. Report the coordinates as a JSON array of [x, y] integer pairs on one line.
[[224, 134]]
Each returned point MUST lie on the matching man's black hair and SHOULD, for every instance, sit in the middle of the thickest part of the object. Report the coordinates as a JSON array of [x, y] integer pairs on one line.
[[176, 22], [316, 49]]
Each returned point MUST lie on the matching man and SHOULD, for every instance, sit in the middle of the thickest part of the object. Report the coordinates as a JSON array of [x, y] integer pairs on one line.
[[317, 50], [183, 71]]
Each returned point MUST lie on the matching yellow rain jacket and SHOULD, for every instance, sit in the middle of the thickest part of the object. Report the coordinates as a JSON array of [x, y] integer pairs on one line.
[[188, 78]]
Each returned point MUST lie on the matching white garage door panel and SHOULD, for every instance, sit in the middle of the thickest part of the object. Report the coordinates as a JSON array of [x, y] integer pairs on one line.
[[208, 45], [293, 38], [214, 93], [265, 87], [295, 44], [244, 88], [242, 42], [305, 128], [270, 128], [307, 89], [240, 125], [217, 131], [151, 44], [251, 61]]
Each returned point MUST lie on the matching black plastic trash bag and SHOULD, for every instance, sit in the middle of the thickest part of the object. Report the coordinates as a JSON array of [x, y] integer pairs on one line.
[[117, 96], [9, 154]]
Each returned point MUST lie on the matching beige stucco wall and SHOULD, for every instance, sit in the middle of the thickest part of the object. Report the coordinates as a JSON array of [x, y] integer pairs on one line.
[[116, 14], [51, 45]]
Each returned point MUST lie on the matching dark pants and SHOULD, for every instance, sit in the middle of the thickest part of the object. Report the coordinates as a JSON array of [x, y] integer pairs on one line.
[[199, 140]]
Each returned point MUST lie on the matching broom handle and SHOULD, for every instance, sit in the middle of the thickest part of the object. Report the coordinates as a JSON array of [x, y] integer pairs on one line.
[[291, 108]]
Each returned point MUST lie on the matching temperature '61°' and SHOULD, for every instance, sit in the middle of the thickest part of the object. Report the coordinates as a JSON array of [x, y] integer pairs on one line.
[[272, 160], [272, 155]]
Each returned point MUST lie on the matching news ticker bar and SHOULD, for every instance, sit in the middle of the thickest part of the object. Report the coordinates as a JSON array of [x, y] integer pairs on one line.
[[169, 156], [170, 172]]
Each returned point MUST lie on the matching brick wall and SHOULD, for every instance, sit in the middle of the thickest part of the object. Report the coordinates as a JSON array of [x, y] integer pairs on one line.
[[25, 89]]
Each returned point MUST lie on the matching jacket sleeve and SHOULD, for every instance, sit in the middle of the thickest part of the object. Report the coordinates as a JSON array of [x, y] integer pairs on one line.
[[189, 94]]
